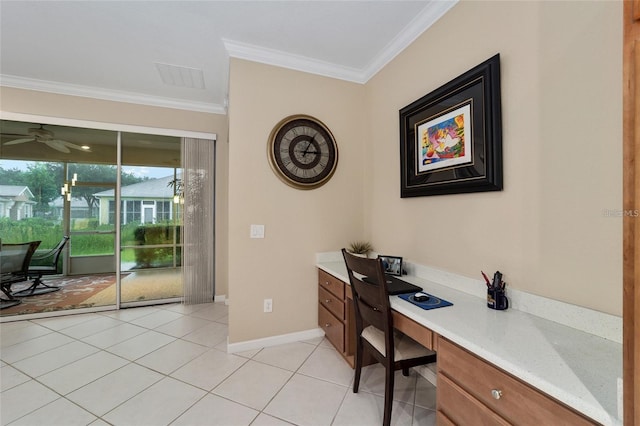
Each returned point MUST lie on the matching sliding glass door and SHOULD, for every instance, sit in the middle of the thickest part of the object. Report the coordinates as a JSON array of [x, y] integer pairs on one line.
[[150, 219], [118, 197]]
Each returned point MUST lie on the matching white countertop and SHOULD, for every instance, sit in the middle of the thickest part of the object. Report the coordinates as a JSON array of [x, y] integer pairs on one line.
[[575, 367]]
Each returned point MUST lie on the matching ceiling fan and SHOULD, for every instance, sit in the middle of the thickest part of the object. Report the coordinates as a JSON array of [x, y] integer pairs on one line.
[[47, 137]]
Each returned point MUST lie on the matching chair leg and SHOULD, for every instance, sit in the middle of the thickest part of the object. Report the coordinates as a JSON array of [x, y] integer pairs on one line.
[[10, 301], [7, 291], [358, 366], [36, 288], [388, 395]]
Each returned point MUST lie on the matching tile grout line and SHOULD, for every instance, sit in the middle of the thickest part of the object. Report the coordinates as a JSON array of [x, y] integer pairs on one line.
[[79, 340]]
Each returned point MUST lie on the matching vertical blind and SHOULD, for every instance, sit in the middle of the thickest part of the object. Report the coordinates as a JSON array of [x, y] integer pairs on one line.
[[198, 157]]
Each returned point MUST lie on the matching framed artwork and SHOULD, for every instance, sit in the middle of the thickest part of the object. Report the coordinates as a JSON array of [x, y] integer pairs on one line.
[[451, 138]]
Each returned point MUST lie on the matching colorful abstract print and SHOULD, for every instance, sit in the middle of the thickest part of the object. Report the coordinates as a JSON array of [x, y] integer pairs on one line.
[[444, 140]]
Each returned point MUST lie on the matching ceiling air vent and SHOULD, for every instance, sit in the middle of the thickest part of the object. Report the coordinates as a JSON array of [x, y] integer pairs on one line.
[[174, 75]]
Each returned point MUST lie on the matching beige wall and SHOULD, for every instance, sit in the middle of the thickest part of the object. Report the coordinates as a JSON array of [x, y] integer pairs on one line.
[[561, 112], [297, 223], [561, 102], [78, 108]]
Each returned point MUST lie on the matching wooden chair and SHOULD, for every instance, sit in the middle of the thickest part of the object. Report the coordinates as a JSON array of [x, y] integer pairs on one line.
[[374, 327], [14, 267], [43, 264]]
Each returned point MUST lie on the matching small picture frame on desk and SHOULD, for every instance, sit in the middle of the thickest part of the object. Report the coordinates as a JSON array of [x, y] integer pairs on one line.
[[392, 264]]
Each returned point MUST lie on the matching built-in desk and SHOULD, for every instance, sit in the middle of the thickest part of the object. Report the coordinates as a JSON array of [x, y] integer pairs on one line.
[[578, 369]]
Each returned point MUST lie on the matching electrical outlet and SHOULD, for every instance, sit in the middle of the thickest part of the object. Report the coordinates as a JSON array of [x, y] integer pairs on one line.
[[268, 305]]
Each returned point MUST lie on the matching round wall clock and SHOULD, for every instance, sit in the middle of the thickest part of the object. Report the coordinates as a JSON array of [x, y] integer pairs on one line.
[[302, 152]]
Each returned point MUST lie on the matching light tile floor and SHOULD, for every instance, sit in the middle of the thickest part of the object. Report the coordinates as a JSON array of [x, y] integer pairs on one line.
[[168, 364]]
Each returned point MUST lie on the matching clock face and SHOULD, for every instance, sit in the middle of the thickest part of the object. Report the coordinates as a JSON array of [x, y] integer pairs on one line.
[[303, 152]]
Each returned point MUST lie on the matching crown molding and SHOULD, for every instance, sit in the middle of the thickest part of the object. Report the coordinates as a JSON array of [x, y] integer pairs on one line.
[[420, 23], [282, 59], [107, 95]]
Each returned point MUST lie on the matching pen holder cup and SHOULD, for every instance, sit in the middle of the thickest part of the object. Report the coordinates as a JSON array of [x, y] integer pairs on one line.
[[496, 299]]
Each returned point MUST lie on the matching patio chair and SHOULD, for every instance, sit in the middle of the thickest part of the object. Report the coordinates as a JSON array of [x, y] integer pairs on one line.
[[44, 264], [14, 268]]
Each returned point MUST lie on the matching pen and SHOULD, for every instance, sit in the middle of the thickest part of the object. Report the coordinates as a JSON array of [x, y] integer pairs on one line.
[[486, 278]]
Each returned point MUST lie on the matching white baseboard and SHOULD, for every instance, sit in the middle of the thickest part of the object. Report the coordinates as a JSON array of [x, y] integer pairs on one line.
[[220, 298], [428, 372], [265, 342]]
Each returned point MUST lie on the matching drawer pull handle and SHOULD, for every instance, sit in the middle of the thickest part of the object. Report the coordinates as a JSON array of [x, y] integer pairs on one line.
[[496, 393], [327, 325], [327, 301], [327, 283]]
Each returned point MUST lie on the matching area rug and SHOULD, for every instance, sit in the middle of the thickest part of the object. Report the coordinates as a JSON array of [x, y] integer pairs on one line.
[[73, 294], [100, 290], [144, 285]]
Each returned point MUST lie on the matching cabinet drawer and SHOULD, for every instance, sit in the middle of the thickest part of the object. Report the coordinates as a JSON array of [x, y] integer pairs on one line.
[[331, 283], [417, 332], [517, 402], [331, 302], [333, 327], [458, 407], [443, 420]]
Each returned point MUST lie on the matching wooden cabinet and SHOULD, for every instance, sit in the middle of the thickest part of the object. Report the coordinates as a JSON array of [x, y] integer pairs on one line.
[[631, 202], [335, 314], [472, 391]]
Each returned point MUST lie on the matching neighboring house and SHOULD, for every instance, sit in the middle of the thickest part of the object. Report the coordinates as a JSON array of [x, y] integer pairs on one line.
[[16, 202], [79, 208], [144, 202]]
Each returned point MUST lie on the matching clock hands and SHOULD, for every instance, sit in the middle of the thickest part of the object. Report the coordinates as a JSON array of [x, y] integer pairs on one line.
[[306, 150]]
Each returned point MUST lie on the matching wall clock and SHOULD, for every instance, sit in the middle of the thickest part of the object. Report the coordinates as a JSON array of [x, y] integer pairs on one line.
[[302, 152]]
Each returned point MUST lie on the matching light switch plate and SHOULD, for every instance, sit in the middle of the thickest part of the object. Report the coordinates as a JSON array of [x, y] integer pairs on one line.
[[257, 231]]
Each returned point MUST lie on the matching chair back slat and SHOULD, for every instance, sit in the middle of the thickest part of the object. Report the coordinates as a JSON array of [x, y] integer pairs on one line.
[[51, 257]]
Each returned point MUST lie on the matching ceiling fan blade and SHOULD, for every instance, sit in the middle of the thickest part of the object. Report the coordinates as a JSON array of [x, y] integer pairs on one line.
[[70, 145], [57, 145], [17, 141]]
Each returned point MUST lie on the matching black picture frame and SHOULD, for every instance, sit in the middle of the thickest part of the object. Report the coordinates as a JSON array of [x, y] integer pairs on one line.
[[392, 264], [467, 110]]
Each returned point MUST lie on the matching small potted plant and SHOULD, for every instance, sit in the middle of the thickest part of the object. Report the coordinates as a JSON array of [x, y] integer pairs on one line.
[[362, 248]]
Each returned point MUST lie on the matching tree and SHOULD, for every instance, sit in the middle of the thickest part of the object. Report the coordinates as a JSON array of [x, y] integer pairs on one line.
[[43, 179], [12, 177]]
